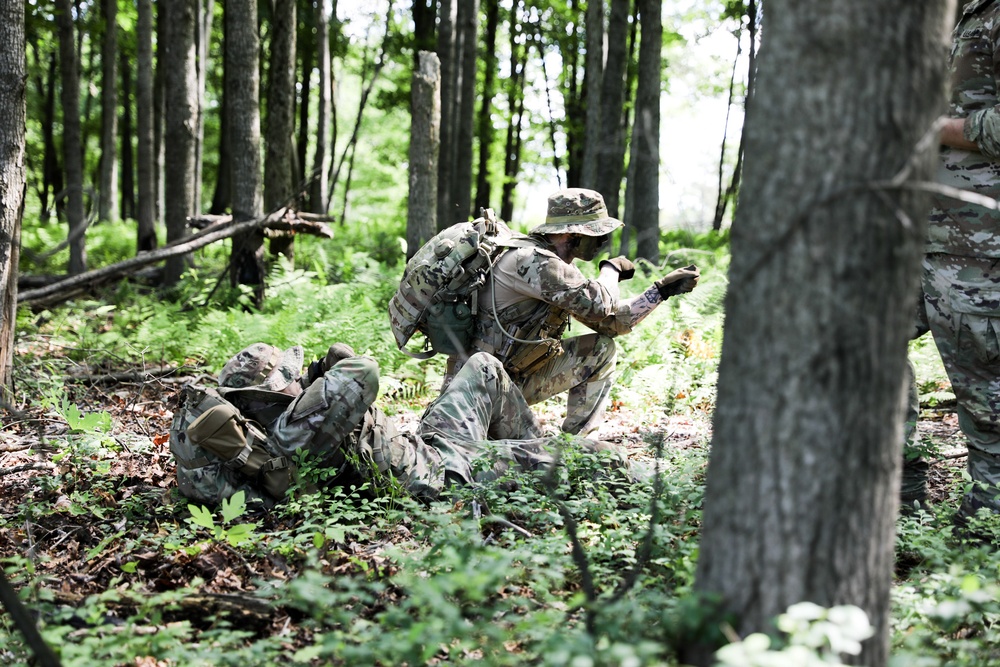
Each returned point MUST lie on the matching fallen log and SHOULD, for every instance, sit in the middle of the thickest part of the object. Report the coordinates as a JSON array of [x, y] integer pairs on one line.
[[282, 220]]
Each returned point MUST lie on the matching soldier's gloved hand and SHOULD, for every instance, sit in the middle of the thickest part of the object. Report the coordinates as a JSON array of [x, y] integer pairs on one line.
[[337, 353], [624, 267], [678, 281]]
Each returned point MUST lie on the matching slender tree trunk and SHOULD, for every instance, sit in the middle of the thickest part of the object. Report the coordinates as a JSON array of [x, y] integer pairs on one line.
[[223, 196], [72, 156], [108, 190], [242, 60], [576, 113], [593, 131], [515, 98], [446, 212], [424, 17], [307, 47], [181, 111], [468, 24], [144, 108], [159, 117], [13, 74], [127, 188], [279, 161], [802, 484], [611, 149], [421, 211], [642, 200], [319, 197], [485, 122], [203, 36]]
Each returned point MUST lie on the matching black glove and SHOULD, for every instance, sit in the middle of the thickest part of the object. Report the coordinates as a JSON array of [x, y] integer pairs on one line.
[[678, 281], [625, 268], [337, 352]]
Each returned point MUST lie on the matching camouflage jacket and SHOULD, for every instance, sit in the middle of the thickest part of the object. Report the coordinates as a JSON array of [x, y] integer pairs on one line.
[[959, 228], [529, 283]]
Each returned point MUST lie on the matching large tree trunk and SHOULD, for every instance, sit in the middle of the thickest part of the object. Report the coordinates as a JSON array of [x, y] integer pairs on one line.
[[72, 152], [145, 173], [242, 60], [446, 213], [611, 148], [592, 92], [108, 189], [642, 200], [12, 176], [181, 111], [425, 130], [319, 197], [485, 121], [279, 161], [468, 25], [803, 478]]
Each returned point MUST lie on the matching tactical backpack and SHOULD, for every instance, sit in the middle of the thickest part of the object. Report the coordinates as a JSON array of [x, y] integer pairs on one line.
[[218, 451], [439, 291]]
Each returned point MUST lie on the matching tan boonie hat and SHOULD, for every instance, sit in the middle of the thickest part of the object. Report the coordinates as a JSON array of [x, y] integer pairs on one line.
[[262, 366], [577, 211]]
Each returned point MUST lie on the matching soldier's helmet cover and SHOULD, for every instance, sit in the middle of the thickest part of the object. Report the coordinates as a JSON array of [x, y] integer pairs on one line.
[[262, 366], [577, 211]]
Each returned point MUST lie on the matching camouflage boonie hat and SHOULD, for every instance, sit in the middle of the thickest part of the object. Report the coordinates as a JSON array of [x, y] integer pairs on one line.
[[577, 211], [262, 366]]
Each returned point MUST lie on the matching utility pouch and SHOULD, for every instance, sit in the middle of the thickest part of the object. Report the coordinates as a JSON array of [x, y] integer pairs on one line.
[[222, 431], [544, 336]]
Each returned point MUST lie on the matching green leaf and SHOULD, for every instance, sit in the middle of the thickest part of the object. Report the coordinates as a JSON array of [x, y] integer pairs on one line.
[[201, 516], [129, 566], [318, 539], [239, 534], [233, 507]]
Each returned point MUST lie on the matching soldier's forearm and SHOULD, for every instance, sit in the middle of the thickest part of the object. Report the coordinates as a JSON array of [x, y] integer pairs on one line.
[[641, 306]]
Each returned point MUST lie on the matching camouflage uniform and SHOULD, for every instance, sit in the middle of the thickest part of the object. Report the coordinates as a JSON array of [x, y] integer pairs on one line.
[[961, 269], [335, 420], [534, 294]]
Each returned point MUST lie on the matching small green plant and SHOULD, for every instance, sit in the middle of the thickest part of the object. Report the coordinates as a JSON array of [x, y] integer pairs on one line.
[[232, 509]]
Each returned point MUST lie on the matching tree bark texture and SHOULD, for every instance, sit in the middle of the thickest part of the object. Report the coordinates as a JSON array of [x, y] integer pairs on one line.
[[72, 151], [127, 187], [803, 477], [13, 77], [107, 195], [145, 173], [181, 117], [515, 119], [319, 197], [279, 159], [446, 159], [485, 129], [468, 25], [642, 202], [242, 54], [611, 148], [593, 131], [203, 35], [425, 142]]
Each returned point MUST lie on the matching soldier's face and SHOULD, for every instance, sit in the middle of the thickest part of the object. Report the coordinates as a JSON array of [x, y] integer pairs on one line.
[[590, 247]]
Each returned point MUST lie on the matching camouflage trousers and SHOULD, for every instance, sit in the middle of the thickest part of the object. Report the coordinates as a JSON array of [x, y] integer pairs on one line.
[[585, 369], [482, 412], [962, 304]]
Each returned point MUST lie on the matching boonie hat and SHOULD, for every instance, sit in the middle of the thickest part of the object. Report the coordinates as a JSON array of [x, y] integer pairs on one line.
[[262, 366], [577, 211]]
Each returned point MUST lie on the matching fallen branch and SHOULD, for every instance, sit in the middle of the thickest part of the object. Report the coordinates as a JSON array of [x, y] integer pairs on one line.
[[26, 466], [282, 219]]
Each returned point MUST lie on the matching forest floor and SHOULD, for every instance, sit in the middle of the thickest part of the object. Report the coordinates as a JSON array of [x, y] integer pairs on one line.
[[78, 537]]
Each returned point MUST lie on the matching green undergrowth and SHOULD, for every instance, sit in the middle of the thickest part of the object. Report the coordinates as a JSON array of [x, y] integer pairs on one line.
[[580, 568]]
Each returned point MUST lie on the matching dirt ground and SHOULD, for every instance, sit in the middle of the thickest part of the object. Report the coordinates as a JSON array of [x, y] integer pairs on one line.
[[79, 551]]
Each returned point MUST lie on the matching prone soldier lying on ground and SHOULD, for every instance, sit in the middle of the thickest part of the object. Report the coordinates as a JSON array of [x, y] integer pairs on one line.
[[244, 435]]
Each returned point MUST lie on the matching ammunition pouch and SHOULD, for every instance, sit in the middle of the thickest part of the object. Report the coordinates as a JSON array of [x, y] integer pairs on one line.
[[544, 335], [222, 431]]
